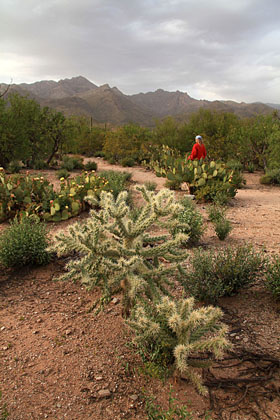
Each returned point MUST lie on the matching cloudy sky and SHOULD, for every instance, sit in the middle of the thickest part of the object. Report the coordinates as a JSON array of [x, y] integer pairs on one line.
[[212, 49]]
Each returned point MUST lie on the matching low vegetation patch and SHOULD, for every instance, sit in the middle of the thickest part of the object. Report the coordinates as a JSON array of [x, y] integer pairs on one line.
[[23, 243], [217, 215], [25, 194], [215, 274], [273, 276], [272, 176], [191, 220]]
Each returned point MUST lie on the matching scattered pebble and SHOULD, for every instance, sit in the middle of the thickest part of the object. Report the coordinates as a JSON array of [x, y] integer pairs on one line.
[[104, 393]]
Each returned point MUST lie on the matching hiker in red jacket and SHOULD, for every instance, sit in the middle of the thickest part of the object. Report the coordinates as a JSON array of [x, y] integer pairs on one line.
[[198, 150]]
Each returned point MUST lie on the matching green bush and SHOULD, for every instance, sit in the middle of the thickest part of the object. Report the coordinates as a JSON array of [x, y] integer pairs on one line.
[[251, 167], [14, 167], [62, 173], [173, 184], [127, 162], [222, 273], [191, 217], [39, 164], [221, 224], [24, 243], [272, 176], [273, 276], [90, 166], [150, 185], [234, 165], [222, 227], [238, 179], [71, 163], [112, 160], [117, 181], [99, 153], [218, 192]]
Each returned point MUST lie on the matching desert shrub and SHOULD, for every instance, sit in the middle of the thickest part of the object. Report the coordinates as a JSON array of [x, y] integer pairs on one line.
[[173, 184], [111, 160], [39, 164], [174, 332], [214, 274], [71, 163], [99, 153], [272, 176], [150, 185], [24, 243], [14, 167], [90, 166], [62, 173], [218, 192], [222, 228], [117, 181], [192, 220], [222, 225], [174, 411], [272, 276], [234, 165], [251, 167], [127, 162], [237, 179]]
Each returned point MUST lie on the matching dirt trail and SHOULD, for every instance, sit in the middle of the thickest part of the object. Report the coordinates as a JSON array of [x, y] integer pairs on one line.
[[255, 211]]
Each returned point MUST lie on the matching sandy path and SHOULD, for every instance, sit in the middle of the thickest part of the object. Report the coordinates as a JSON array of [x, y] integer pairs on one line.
[[255, 211], [139, 174]]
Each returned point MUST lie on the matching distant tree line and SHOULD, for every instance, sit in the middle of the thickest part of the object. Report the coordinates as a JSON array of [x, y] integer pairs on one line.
[[31, 134]]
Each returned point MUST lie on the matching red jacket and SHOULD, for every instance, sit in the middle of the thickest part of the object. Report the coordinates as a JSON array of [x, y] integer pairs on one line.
[[198, 152]]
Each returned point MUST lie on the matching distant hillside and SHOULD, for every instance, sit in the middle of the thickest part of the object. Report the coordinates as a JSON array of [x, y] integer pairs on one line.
[[48, 89], [275, 106], [78, 96]]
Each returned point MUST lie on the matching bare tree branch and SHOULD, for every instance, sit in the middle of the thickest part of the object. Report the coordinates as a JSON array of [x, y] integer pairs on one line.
[[6, 90]]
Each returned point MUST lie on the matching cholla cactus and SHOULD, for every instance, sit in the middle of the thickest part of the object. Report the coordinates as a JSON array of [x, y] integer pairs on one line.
[[117, 252], [185, 333]]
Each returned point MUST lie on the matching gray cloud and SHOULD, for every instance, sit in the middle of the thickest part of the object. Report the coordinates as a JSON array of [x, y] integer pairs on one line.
[[212, 50]]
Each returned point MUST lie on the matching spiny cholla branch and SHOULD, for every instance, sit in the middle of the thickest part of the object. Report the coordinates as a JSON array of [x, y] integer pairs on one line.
[[118, 252], [183, 331]]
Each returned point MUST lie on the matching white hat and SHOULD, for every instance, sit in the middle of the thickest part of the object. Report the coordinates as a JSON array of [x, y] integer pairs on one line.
[[198, 138]]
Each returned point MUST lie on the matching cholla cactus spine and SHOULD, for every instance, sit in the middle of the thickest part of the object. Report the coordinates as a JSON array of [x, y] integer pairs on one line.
[[115, 251], [187, 332]]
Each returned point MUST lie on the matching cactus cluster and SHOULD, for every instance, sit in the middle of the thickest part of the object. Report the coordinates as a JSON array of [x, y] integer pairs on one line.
[[197, 174], [69, 201], [117, 251], [25, 195]]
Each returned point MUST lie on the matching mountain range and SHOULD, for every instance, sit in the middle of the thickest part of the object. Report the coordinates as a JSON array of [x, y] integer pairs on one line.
[[79, 96]]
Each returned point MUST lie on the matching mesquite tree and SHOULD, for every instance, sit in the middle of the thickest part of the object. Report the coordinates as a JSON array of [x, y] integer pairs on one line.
[[118, 252]]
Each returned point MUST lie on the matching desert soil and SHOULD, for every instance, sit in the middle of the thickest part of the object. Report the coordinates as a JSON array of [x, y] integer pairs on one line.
[[59, 360]]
